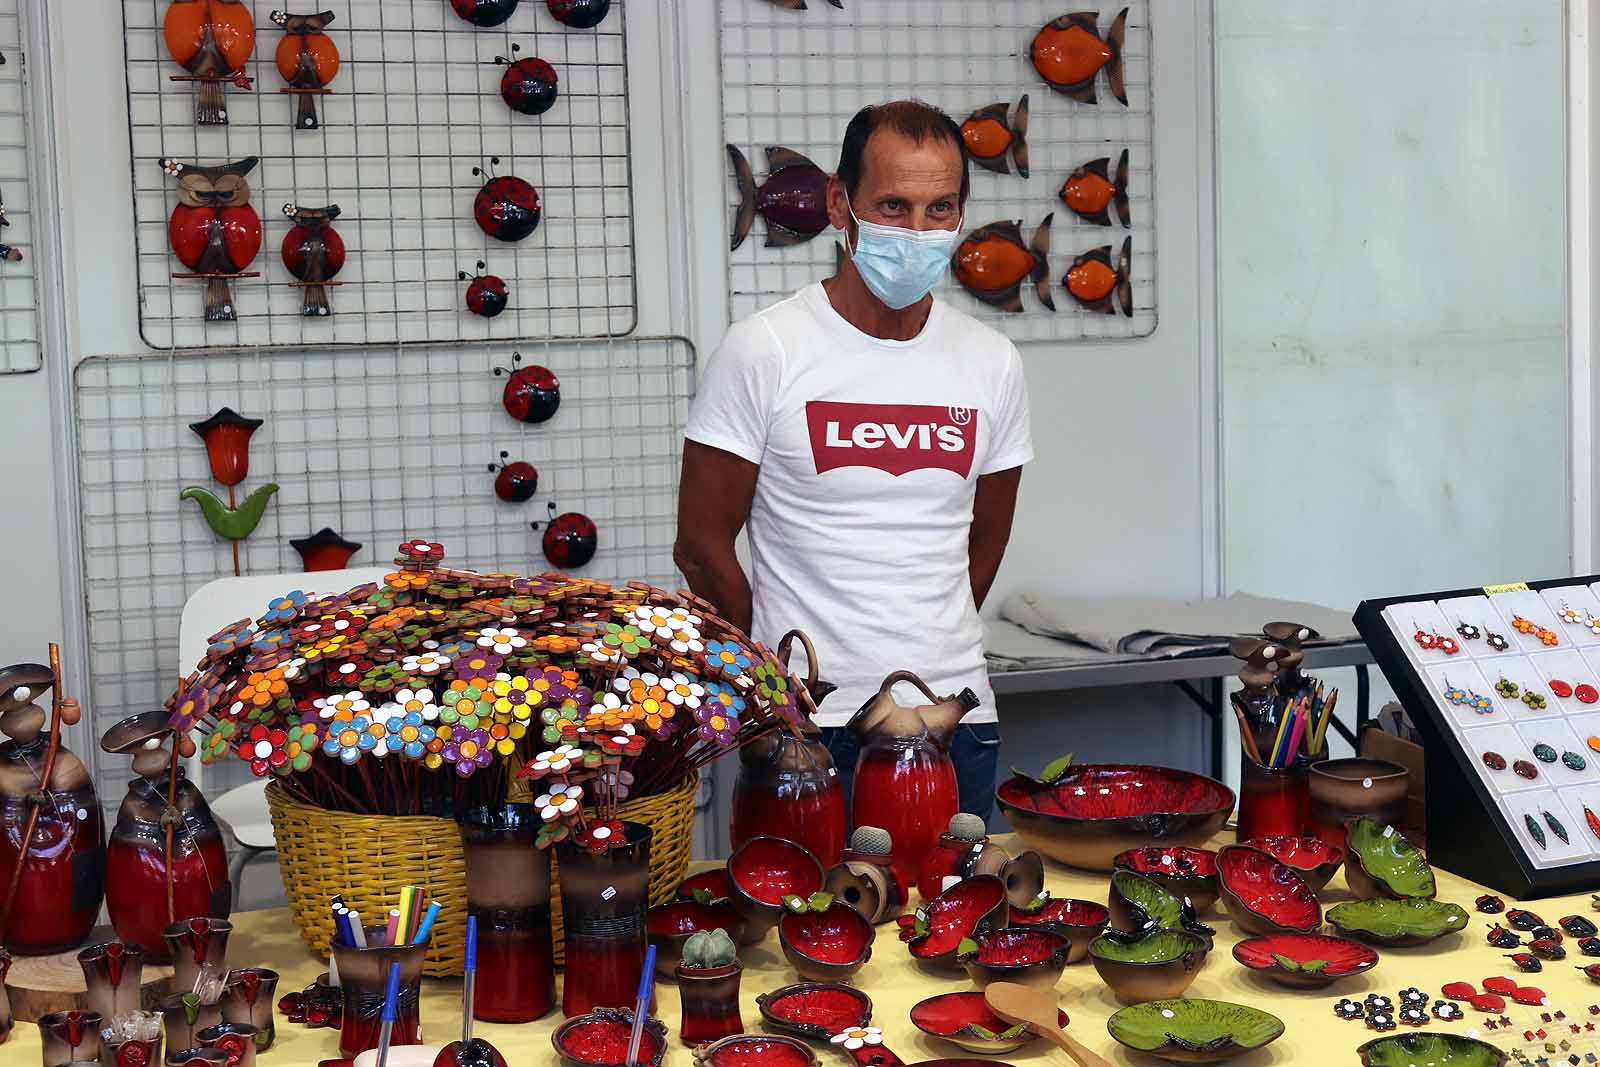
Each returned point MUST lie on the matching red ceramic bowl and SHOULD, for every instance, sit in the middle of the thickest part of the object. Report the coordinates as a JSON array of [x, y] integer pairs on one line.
[[1310, 857], [1180, 870], [1097, 810], [826, 946], [1340, 956], [742, 1050], [714, 882], [601, 1038], [1263, 895], [977, 903], [669, 926], [1032, 956], [1081, 920], [956, 1017], [815, 1010], [763, 871]]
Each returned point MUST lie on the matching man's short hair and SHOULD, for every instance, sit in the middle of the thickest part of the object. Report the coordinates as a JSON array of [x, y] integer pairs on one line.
[[909, 118]]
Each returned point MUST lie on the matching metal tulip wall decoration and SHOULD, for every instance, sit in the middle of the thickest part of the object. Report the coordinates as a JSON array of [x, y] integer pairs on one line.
[[227, 437], [212, 40], [308, 60]]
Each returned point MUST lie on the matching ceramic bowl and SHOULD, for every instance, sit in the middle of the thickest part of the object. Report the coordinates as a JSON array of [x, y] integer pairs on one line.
[[1180, 870], [1134, 902], [815, 1010], [600, 1039], [669, 926], [965, 1019], [826, 946], [1305, 961], [1264, 896], [940, 925], [763, 871], [1156, 967], [1380, 862], [1384, 921], [1096, 810], [1033, 956], [1081, 920], [740, 1050], [1310, 857], [1343, 789], [1194, 1031], [1428, 1049], [714, 881]]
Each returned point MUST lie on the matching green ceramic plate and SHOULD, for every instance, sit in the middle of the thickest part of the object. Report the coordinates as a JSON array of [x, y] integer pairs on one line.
[[1397, 922], [1194, 1031], [1390, 859], [1164, 907], [1163, 946], [1429, 1050]]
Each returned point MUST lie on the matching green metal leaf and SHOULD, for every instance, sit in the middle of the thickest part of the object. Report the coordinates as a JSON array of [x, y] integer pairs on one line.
[[820, 901], [1055, 770], [967, 947], [235, 524]]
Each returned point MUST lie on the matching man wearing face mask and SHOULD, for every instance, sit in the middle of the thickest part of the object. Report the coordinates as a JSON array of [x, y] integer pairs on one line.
[[872, 439]]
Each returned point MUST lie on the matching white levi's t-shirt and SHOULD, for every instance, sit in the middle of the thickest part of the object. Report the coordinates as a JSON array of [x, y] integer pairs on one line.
[[870, 451]]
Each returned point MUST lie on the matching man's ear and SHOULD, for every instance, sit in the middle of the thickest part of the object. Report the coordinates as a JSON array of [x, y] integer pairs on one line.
[[838, 204]]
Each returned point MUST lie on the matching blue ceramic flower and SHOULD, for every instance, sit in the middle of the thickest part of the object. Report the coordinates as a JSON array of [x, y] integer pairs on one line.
[[724, 696], [728, 659], [268, 641], [284, 608]]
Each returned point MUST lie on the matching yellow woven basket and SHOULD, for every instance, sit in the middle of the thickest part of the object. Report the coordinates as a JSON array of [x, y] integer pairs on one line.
[[367, 858]]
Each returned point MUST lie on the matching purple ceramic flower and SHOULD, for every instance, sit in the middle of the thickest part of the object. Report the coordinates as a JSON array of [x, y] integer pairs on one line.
[[477, 664], [469, 750]]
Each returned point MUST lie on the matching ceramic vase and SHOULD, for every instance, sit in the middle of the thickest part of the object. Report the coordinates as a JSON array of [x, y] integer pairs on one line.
[[363, 977], [248, 997], [238, 1040], [1343, 790], [508, 889], [182, 1016], [789, 787], [129, 1052], [70, 1035], [710, 1000], [604, 896], [193, 944], [1274, 801], [113, 974], [6, 1018]]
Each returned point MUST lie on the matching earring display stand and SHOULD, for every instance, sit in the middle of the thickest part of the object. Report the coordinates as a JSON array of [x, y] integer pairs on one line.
[[1511, 726]]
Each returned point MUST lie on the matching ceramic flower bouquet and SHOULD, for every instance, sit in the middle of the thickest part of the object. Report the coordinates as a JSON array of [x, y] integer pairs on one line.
[[428, 693]]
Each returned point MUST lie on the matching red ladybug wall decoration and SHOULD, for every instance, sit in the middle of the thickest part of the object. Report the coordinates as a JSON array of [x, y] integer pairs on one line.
[[529, 85], [487, 295], [314, 252], [570, 540], [517, 482], [532, 394], [484, 12], [213, 229], [579, 14], [506, 208]]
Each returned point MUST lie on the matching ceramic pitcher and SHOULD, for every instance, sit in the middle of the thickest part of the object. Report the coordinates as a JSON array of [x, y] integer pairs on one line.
[[905, 780]]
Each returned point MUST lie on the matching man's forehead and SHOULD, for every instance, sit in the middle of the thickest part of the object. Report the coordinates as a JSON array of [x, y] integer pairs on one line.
[[892, 158]]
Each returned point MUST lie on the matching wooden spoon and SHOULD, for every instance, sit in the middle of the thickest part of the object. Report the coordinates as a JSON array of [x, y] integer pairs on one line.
[[1022, 1004]]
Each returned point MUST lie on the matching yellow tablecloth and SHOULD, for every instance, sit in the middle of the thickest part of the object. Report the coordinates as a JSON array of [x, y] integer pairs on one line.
[[1313, 1035]]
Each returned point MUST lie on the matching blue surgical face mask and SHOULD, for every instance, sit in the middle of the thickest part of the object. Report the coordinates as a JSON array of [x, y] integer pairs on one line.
[[901, 266]]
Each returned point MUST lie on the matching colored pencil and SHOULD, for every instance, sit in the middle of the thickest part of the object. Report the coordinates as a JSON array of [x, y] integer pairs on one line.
[[1246, 735], [1293, 747], [393, 932], [1277, 741], [425, 927], [408, 913], [1322, 724]]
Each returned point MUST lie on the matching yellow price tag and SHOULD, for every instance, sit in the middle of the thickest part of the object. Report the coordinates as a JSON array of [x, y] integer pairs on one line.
[[1509, 587]]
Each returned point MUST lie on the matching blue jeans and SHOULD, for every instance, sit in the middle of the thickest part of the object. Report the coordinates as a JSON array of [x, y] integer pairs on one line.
[[976, 751]]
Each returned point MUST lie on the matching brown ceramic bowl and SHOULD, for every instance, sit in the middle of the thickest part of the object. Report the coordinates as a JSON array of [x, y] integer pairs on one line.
[[1344, 789], [763, 871], [954, 915], [1310, 857], [769, 1050], [669, 927], [1031, 956], [592, 1040], [1158, 967], [1097, 810], [1264, 896], [826, 946], [1081, 920], [815, 1010], [1179, 869]]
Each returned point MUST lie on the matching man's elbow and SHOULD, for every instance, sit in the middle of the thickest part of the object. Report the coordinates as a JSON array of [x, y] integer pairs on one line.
[[690, 556]]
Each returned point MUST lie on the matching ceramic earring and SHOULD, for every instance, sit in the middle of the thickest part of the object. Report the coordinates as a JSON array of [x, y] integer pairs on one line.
[[1574, 762], [1586, 694], [1560, 688], [1523, 626], [1556, 827], [1448, 645], [1496, 641], [1547, 638], [1524, 769], [1494, 761], [1468, 632], [1544, 753], [1534, 700], [1480, 704], [1454, 694], [1535, 831], [1424, 639], [1507, 688], [1568, 615]]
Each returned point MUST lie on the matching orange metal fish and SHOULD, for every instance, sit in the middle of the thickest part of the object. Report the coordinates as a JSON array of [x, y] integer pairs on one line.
[[1093, 281], [988, 136], [212, 40], [992, 262], [1069, 51], [1089, 192]]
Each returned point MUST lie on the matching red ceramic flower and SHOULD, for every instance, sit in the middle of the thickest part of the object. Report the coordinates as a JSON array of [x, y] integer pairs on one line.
[[227, 438], [325, 550], [264, 750]]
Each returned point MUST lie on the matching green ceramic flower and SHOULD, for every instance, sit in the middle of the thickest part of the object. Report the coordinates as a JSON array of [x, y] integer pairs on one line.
[[1163, 946], [772, 682], [1432, 1049], [1411, 920], [1390, 860], [625, 639], [1193, 1028]]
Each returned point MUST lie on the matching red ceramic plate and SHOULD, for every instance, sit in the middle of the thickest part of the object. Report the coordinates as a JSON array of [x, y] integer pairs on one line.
[[839, 935], [1344, 956], [955, 913], [1301, 853], [1174, 861], [949, 1014], [1268, 888], [1064, 912], [1118, 791]]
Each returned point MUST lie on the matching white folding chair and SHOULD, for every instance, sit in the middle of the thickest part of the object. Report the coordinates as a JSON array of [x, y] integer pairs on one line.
[[242, 810]]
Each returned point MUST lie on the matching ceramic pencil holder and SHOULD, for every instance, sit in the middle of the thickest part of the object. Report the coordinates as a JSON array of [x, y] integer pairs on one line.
[[363, 978], [1273, 801]]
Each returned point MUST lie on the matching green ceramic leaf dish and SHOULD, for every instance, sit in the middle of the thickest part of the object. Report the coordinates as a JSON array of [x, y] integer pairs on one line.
[[1194, 1031], [1159, 947], [1381, 862], [1385, 921], [1158, 904], [1429, 1050]]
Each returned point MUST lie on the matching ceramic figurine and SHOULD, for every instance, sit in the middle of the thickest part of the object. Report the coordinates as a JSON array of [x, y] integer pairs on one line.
[[1069, 54], [166, 861], [793, 199], [213, 230], [325, 550], [212, 40], [227, 438], [989, 136], [578, 14], [532, 393], [991, 263], [52, 843], [954, 858], [570, 540], [530, 85], [487, 296], [507, 207], [308, 60], [1093, 280], [1091, 190], [516, 482], [486, 13], [905, 779], [314, 252]]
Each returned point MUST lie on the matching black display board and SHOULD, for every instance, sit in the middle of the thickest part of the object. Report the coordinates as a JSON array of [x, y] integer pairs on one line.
[[1539, 711]]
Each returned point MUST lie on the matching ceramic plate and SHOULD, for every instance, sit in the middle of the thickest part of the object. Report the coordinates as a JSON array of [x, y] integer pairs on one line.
[[1429, 1050], [1305, 960], [1388, 859], [1397, 922], [1194, 1031]]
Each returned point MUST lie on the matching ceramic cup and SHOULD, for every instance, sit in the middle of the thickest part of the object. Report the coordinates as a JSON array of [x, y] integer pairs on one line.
[[182, 1017], [238, 1040], [193, 943], [65, 1036], [130, 1053], [248, 997], [113, 974], [1273, 801], [1343, 790]]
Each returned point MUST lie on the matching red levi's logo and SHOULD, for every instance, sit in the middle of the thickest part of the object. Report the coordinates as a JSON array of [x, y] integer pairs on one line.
[[892, 437]]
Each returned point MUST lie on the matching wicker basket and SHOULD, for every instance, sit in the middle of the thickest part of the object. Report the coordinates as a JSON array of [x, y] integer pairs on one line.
[[367, 858]]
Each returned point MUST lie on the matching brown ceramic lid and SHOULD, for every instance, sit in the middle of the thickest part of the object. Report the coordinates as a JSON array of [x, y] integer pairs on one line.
[[134, 731], [35, 676], [1290, 633]]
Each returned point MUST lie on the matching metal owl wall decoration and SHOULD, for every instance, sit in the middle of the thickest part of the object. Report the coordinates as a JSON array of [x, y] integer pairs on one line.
[[212, 40], [308, 60], [213, 229], [314, 252]]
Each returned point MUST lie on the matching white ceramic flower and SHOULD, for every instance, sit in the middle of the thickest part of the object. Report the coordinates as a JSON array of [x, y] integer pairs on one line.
[[556, 760], [652, 620], [171, 167], [501, 639], [343, 706], [293, 669], [424, 663], [684, 692], [687, 642], [420, 701], [559, 802], [858, 1037], [601, 654]]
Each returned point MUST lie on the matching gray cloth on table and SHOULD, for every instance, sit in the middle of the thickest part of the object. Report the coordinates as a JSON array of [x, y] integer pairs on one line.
[[1043, 631]]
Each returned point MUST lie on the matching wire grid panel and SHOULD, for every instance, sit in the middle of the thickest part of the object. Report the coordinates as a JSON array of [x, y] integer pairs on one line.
[[380, 445], [20, 350], [415, 106], [794, 78]]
